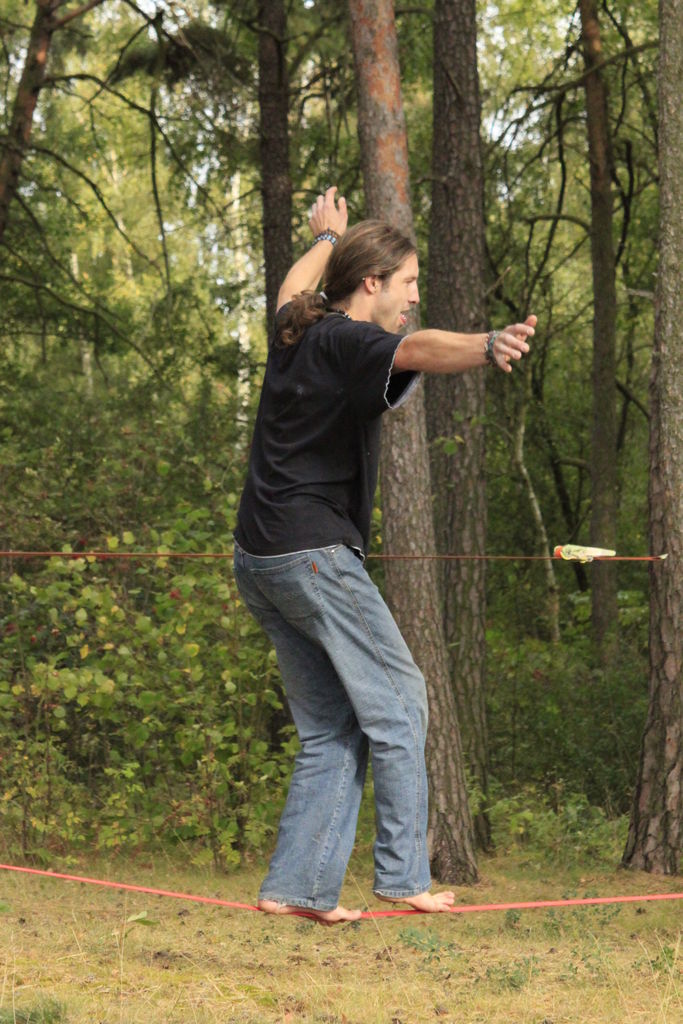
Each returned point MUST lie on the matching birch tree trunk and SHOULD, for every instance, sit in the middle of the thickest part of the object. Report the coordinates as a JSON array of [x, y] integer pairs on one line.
[[655, 840], [83, 343], [411, 587], [543, 543], [604, 433], [455, 404]]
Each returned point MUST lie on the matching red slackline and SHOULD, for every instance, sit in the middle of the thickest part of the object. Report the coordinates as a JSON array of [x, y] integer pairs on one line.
[[367, 914]]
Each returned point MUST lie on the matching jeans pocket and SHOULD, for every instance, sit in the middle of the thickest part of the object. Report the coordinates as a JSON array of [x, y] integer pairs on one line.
[[291, 586]]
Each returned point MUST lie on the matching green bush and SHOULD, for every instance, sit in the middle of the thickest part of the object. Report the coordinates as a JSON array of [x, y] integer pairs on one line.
[[566, 831], [558, 719], [133, 705], [139, 703]]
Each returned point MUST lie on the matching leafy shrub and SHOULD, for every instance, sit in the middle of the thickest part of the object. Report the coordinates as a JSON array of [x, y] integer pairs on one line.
[[133, 704], [568, 831], [558, 719]]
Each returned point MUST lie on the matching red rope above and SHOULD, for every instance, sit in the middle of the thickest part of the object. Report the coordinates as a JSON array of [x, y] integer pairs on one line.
[[134, 555], [367, 914]]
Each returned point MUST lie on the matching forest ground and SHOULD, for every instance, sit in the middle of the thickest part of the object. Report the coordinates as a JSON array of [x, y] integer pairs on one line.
[[71, 954]]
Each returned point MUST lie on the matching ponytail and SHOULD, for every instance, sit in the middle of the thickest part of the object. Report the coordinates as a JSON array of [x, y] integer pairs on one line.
[[302, 312], [370, 248]]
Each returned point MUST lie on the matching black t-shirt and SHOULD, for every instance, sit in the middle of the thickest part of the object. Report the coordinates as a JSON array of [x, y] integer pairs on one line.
[[315, 451]]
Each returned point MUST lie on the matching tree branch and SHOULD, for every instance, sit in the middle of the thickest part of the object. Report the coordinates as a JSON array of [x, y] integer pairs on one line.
[[40, 286], [70, 15], [570, 460], [627, 393], [144, 111], [557, 217], [573, 83], [100, 198]]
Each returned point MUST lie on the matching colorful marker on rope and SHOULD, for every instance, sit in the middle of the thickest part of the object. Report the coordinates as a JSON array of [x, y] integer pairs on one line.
[[579, 553]]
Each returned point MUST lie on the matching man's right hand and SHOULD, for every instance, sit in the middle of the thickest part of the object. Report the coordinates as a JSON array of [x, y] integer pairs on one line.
[[325, 213], [305, 275]]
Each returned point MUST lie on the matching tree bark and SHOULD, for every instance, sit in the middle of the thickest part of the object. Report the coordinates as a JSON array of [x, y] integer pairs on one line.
[[455, 405], [276, 181], [604, 431], [411, 588], [655, 840]]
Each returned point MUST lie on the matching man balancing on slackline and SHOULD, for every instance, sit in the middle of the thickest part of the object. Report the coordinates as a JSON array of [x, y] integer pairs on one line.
[[336, 362]]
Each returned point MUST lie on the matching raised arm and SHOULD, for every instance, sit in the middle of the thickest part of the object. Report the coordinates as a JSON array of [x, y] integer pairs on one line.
[[434, 351], [325, 215]]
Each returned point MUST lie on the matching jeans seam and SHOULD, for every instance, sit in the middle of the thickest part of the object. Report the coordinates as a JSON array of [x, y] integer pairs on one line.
[[399, 695], [324, 853], [367, 629]]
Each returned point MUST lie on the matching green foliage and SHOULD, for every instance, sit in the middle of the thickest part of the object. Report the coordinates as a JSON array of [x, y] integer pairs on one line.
[[428, 942], [48, 1011], [141, 918], [514, 975], [538, 228], [132, 711], [566, 831], [138, 701], [561, 723], [663, 963], [133, 708]]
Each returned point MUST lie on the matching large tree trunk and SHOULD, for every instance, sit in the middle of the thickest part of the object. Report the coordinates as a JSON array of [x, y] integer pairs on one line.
[[455, 405], [604, 433], [655, 840], [276, 182], [412, 588]]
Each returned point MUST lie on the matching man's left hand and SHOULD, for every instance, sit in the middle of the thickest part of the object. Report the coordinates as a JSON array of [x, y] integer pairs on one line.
[[511, 343]]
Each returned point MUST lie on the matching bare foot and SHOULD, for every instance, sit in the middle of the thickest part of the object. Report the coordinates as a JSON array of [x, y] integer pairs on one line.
[[440, 902], [326, 917]]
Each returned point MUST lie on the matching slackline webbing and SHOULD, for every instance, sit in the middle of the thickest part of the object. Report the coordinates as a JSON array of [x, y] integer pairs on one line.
[[366, 914]]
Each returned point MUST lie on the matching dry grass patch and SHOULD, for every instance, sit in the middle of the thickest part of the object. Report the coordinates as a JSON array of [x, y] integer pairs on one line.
[[73, 954]]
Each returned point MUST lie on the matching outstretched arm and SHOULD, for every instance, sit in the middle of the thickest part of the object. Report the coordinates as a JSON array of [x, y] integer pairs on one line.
[[434, 351], [306, 272]]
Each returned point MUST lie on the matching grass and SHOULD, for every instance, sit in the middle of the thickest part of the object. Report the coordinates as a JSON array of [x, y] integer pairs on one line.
[[73, 954]]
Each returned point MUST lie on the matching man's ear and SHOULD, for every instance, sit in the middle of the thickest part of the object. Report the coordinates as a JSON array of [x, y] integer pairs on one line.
[[371, 283]]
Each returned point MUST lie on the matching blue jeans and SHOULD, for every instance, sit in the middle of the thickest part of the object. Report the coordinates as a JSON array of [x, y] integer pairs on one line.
[[353, 688]]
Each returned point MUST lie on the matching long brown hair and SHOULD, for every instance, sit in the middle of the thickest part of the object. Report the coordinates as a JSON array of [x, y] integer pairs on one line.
[[370, 248]]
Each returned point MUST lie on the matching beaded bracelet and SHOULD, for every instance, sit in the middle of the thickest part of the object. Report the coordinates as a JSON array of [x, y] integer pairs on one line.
[[328, 235], [488, 348]]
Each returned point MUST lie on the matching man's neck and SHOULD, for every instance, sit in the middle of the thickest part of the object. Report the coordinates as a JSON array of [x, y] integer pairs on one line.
[[358, 307]]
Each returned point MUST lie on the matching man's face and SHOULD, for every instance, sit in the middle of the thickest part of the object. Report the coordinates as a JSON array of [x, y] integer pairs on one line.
[[395, 296]]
